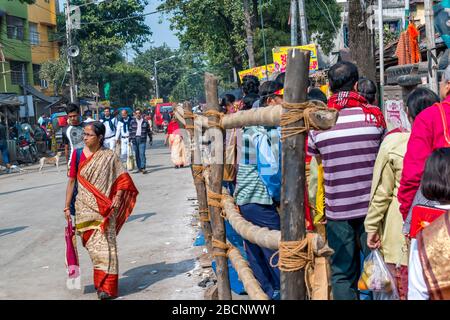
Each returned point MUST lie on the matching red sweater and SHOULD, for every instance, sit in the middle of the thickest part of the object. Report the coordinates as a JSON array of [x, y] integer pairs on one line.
[[427, 135]]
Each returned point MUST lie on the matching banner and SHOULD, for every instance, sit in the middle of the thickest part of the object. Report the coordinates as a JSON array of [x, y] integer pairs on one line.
[[259, 72], [280, 57], [155, 101]]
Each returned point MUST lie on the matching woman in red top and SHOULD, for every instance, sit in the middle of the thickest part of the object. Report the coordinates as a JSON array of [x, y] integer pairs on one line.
[[430, 131], [106, 197], [176, 144]]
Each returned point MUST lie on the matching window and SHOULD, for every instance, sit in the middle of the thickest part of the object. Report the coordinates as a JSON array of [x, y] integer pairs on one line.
[[18, 72], [15, 27], [36, 78], [34, 34]]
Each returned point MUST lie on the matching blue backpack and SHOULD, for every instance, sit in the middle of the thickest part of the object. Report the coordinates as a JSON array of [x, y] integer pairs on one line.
[[268, 156]]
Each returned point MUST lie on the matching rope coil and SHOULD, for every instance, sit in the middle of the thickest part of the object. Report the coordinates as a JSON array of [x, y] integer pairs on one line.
[[294, 256], [197, 172], [212, 123], [202, 214], [296, 112], [215, 199], [217, 244]]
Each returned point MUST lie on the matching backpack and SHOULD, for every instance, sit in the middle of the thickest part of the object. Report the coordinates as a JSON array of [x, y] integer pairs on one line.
[[268, 159]]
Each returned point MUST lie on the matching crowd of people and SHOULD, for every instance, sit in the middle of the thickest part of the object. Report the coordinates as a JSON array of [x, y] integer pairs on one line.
[[367, 186]]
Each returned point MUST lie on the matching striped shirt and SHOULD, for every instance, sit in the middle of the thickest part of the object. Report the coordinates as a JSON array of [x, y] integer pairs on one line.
[[348, 152], [249, 186]]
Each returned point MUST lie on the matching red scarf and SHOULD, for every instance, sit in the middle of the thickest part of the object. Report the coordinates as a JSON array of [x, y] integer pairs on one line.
[[173, 127], [351, 99]]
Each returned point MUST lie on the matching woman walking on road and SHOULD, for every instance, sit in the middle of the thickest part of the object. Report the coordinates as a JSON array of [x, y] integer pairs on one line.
[[105, 199], [176, 144]]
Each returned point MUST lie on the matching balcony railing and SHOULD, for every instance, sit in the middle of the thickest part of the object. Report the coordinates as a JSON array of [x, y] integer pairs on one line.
[[34, 38], [15, 32]]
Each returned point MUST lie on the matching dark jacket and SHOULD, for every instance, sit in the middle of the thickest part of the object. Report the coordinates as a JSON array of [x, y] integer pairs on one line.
[[145, 129]]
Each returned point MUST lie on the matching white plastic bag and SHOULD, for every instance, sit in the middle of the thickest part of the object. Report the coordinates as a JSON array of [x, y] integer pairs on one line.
[[377, 278]]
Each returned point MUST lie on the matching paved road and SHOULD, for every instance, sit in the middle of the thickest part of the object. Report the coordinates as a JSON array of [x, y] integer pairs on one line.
[[155, 245]]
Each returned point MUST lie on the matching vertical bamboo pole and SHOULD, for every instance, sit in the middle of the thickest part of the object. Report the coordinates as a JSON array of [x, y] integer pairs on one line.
[[216, 167], [199, 185], [293, 172]]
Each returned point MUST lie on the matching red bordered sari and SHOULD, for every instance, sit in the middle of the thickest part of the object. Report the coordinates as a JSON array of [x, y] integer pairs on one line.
[[99, 178]]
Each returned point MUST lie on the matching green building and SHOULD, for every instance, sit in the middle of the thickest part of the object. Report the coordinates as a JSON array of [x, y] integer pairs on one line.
[[15, 54]]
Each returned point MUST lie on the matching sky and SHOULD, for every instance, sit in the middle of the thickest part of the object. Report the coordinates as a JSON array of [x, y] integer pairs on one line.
[[161, 31]]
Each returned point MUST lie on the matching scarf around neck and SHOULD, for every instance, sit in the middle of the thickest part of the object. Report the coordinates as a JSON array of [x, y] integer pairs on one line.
[[111, 124], [126, 124], [351, 99]]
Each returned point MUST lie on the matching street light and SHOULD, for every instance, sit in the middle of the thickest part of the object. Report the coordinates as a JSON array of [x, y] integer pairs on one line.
[[156, 73]]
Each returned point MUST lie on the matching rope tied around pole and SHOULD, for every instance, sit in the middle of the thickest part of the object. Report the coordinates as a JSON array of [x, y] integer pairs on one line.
[[296, 112], [189, 115], [197, 171], [294, 256], [202, 214], [215, 200], [217, 244], [212, 123]]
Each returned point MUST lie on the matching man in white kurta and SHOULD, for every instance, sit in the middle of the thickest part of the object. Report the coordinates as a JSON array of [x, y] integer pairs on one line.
[[111, 124], [123, 134]]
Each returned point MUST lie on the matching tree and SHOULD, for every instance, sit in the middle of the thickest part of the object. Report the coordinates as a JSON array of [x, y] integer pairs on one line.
[[129, 85], [169, 71], [361, 38], [225, 29], [106, 28]]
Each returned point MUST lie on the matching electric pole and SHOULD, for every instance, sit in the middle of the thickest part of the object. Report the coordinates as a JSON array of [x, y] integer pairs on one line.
[[431, 45], [294, 25], [303, 22], [73, 90]]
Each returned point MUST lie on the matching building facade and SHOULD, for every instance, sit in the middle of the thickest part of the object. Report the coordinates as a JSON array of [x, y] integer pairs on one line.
[[27, 39]]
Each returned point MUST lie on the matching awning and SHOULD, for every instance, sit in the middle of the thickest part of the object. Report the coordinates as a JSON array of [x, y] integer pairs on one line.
[[32, 90], [9, 99]]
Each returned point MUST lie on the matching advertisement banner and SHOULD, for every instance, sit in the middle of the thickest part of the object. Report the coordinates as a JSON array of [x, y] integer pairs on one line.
[[259, 72], [280, 57]]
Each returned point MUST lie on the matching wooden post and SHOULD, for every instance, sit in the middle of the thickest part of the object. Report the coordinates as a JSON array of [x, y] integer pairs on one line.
[[199, 184], [216, 177], [292, 214]]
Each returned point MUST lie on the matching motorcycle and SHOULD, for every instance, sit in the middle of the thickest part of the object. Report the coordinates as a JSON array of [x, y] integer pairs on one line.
[[26, 151]]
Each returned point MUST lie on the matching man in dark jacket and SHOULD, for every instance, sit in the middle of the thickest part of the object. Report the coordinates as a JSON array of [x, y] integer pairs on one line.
[[139, 129]]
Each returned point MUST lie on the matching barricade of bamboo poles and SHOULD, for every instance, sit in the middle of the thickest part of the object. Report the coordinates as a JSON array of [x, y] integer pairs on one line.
[[299, 252]]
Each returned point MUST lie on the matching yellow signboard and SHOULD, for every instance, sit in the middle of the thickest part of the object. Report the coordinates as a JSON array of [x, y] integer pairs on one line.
[[259, 72], [154, 102], [280, 57]]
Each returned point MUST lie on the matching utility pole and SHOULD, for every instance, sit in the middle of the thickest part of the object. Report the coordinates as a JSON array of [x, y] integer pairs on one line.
[[303, 22], [294, 26], [73, 91], [406, 14], [381, 40], [431, 45], [156, 81]]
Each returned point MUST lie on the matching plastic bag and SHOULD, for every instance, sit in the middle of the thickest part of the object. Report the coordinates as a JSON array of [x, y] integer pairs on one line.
[[131, 159], [377, 278]]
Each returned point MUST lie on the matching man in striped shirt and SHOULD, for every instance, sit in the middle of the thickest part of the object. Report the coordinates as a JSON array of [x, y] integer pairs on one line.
[[347, 152]]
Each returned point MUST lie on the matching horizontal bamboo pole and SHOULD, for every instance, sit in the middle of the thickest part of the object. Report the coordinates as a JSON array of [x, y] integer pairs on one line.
[[263, 237], [251, 285], [267, 116]]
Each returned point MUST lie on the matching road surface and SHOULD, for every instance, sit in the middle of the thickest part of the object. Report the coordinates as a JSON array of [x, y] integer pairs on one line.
[[156, 256]]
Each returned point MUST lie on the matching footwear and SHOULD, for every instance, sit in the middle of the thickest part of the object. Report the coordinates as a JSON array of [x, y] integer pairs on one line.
[[144, 171], [104, 296], [137, 171]]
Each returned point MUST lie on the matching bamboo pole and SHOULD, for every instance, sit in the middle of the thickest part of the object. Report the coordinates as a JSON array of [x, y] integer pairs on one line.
[[216, 169], [292, 216], [263, 237], [251, 285], [199, 182], [268, 116]]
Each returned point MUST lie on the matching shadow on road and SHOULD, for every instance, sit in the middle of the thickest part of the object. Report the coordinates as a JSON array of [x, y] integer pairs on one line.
[[141, 278], [5, 232], [31, 188], [143, 216]]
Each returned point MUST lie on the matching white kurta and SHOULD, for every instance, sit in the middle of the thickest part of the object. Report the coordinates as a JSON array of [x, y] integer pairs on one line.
[[110, 135], [417, 288], [123, 136]]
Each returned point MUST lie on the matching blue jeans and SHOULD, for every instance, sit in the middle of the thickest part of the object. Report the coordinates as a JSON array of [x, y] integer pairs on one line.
[[5, 153], [259, 258], [139, 145]]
